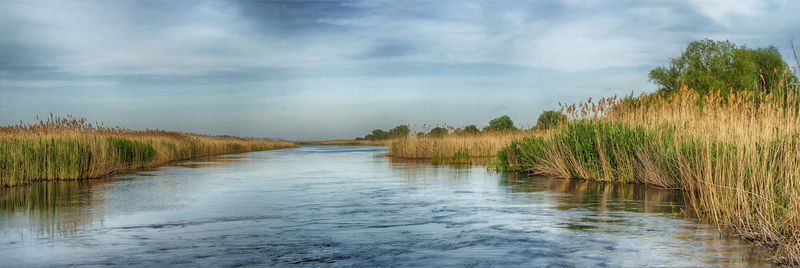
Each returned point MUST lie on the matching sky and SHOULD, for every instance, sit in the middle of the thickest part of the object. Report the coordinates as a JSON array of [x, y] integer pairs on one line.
[[312, 70]]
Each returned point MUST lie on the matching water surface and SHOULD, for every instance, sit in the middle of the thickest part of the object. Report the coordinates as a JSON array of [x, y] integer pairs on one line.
[[350, 206]]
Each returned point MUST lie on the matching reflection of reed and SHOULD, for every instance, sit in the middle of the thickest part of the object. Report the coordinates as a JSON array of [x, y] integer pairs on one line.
[[413, 163], [210, 161], [411, 169], [57, 208], [64, 207], [599, 196]]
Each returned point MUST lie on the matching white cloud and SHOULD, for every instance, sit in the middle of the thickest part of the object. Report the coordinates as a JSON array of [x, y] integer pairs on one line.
[[722, 11]]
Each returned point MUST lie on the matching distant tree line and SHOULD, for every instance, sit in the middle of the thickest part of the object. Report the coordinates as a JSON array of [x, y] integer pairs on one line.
[[548, 119], [396, 132]]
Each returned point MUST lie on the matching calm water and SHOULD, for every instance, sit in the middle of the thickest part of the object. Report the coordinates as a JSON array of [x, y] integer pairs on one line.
[[350, 206]]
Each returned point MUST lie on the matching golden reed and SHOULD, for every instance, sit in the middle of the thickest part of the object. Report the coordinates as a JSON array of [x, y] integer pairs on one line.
[[69, 149], [736, 155]]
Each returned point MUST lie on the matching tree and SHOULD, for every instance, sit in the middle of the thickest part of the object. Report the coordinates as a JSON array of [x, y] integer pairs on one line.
[[377, 135], [400, 131], [501, 123], [471, 130], [550, 119], [721, 65], [438, 132]]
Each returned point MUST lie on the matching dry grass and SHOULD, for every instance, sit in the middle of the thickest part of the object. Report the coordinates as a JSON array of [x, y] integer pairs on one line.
[[736, 156], [348, 142], [69, 149], [455, 149]]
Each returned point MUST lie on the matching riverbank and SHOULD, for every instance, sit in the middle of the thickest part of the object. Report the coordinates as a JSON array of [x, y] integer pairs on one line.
[[347, 142], [735, 156], [71, 149], [455, 148], [229, 208]]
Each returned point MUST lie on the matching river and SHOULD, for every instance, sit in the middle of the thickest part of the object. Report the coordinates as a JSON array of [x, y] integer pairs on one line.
[[351, 206]]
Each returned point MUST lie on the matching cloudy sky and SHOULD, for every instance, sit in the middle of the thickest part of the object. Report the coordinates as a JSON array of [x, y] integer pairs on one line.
[[328, 69]]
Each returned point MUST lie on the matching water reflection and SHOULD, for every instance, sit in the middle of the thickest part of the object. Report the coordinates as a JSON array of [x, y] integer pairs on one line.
[[599, 196], [351, 206], [58, 208], [603, 210]]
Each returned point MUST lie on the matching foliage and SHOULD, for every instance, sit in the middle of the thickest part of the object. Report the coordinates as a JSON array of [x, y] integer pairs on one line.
[[708, 65], [501, 123], [394, 133], [550, 119], [70, 149], [730, 153], [437, 132], [130, 152], [377, 135], [400, 131], [471, 130]]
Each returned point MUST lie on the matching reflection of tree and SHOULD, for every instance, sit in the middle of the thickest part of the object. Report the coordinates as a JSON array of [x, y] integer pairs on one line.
[[57, 208]]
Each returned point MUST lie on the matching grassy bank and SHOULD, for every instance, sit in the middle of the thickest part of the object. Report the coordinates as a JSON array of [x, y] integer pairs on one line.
[[348, 142], [735, 155], [69, 149], [454, 149]]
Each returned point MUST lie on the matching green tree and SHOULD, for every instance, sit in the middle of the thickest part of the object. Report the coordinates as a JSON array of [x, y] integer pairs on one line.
[[550, 119], [400, 131], [501, 123], [438, 132], [721, 65], [471, 130], [377, 135]]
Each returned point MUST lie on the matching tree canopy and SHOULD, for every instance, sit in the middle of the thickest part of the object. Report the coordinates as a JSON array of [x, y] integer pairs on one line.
[[438, 132], [721, 65], [550, 119], [501, 123], [471, 130], [377, 135]]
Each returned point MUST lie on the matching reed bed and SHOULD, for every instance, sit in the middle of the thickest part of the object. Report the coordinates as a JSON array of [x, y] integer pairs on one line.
[[70, 149], [455, 148], [348, 142], [735, 155]]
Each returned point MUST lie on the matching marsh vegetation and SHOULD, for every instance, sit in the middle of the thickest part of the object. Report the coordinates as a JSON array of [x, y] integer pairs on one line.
[[724, 127], [70, 149]]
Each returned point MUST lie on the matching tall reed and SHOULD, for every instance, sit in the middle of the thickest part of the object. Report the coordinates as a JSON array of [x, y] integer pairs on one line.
[[454, 148], [68, 149], [735, 155]]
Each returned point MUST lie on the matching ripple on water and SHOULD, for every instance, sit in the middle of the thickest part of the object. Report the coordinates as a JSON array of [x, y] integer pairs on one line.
[[350, 206]]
